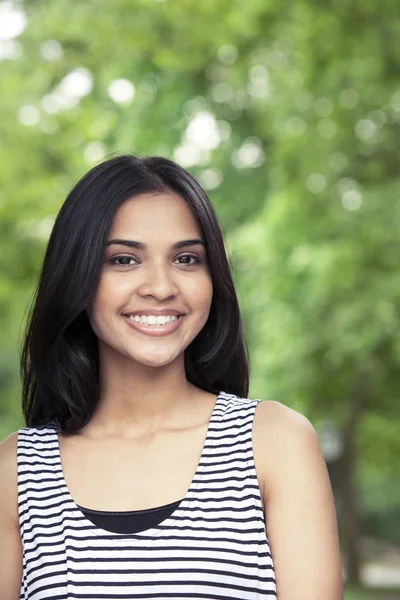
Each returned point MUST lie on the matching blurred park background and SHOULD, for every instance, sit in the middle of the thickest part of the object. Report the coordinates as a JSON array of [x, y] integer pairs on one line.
[[289, 116]]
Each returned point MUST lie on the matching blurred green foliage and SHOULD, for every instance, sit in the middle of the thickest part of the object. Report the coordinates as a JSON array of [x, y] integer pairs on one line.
[[289, 117], [358, 593]]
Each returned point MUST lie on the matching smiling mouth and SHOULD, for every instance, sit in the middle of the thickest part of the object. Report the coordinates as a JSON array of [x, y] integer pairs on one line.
[[153, 320], [157, 328]]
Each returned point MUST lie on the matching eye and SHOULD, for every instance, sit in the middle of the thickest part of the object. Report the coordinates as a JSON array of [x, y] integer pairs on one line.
[[189, 260], [122, 261]]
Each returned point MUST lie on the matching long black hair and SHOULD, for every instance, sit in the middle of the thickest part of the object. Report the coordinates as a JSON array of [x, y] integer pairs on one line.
[[59, 356]]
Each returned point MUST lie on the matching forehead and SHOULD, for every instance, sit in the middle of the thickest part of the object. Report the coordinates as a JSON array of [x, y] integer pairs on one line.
[[155, 212]]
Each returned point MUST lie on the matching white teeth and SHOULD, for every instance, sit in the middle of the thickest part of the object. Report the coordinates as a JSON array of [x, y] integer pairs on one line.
[[152, 319]]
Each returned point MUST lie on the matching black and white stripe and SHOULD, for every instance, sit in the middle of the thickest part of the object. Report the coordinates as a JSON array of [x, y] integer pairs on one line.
[[212, 546]]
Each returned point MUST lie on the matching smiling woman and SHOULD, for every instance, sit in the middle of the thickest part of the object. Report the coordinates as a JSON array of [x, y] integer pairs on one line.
[[165, 277], [144, 471]]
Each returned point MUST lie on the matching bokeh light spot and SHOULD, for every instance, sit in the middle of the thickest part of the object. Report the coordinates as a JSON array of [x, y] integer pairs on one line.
[[77, 83], [28, 115], [338, 162], [365, 129], [94, 152], [349, 98], [249, 155], [12, 21], [227, 54], [323, 107], [210, 179], [351, 200], [10, 49], [121, 91], [295, 126], [203, 131], [316, 183], [221, 92], [51, 50]]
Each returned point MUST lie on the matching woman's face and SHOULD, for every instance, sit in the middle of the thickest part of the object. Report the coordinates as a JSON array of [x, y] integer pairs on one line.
[[155, 290]]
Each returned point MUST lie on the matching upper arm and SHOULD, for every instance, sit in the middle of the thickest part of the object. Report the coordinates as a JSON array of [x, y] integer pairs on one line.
[[10, 539], [300, 510]]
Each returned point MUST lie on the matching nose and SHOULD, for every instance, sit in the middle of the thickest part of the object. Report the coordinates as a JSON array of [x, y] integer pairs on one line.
[[158, 282]]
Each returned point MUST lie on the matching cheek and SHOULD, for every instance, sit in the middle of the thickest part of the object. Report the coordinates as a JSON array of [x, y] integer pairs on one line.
[[202, 293], [104, 298], [110, 292]]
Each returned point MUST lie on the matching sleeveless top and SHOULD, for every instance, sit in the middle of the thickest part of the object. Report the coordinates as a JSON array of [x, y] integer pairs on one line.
[[212, 546]]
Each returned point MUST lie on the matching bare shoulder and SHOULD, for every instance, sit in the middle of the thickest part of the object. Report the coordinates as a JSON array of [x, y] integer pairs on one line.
[[272, 415], [11, 551], [8, 453], [283, 440], [276, 423], [9, 476], [299, 504]]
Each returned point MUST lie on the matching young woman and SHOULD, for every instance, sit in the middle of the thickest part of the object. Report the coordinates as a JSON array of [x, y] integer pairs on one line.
[[144, 471]]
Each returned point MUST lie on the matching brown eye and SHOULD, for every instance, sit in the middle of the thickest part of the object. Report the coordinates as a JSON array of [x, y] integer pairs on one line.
[[122, 261], [188, 259]]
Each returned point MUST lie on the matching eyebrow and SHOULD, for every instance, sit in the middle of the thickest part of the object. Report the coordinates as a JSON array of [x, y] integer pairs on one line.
[[141, 246]]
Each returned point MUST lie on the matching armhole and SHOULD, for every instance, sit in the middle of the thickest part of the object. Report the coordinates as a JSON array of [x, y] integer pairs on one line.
[[10, 465], [257, 438], [20, 480]]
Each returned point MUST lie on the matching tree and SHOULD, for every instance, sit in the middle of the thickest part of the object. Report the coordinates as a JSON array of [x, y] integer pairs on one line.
[[289, 116]]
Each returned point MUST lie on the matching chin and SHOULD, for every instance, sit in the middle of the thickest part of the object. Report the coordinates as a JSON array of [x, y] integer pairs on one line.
[[155, 360]]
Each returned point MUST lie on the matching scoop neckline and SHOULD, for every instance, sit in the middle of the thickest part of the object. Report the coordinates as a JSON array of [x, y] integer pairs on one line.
[[165, 523]]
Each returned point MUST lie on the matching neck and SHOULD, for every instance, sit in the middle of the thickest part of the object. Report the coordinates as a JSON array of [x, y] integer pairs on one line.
[[136, 398]]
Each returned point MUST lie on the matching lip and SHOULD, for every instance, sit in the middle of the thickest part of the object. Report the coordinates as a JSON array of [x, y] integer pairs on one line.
[[155, 330]]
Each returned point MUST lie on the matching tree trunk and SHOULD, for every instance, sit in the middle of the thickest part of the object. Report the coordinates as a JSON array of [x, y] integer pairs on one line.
[[349, 508], [350, 530]]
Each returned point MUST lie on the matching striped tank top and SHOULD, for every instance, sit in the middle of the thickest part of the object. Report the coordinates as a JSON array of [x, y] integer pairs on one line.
[[212, 546]]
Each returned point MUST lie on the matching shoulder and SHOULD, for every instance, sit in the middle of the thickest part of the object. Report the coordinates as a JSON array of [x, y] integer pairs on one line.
[[283, 439], [299, 504], [11, 549], [278, 420], [271, 413], [9, 476], [8, 453]]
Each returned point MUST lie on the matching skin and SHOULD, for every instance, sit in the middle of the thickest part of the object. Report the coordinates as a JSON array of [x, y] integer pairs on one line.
[[150, 423], [143, 383], [298, 505]]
